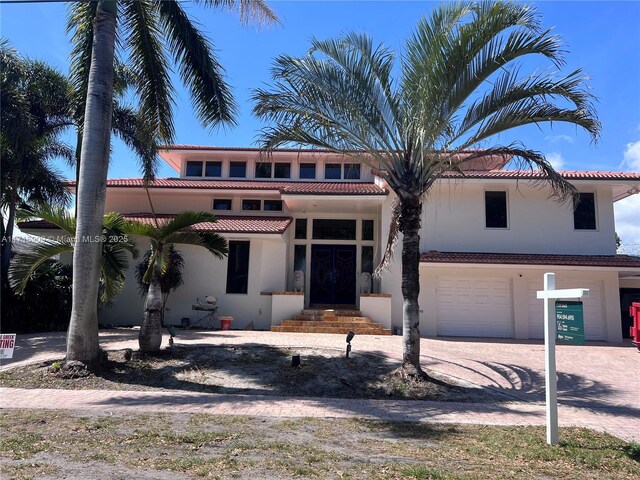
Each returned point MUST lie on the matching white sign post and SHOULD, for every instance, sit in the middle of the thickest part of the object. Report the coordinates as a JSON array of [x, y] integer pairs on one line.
[[551, 381]]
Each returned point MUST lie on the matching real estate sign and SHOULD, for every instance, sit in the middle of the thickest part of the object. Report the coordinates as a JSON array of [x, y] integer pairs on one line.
[[7, 342], [569, 322]]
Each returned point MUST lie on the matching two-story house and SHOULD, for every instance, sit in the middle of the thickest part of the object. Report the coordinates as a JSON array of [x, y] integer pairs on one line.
[[318, 223]]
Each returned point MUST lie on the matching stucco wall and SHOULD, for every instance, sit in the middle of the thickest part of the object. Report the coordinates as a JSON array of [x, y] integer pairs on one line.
[[206, 275], [454, 221]]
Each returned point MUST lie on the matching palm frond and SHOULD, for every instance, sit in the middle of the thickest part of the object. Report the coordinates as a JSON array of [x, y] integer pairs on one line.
[[23, 265], [251, 12], [199, 68], [181, 221], [59, 216], [143, 31], [131, 127], [214, 243]]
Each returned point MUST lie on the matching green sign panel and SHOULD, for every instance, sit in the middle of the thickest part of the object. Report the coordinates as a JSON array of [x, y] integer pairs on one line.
[[569, 322]]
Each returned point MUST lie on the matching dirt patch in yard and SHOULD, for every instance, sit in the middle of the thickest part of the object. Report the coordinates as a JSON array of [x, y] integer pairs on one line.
[[257, 370], [80, 445]]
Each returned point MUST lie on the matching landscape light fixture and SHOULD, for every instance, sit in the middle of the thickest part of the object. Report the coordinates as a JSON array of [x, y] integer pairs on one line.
[[350, 336], [295, 361]]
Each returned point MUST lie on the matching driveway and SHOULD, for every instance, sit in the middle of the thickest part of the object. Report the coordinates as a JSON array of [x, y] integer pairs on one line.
[[598, 379]]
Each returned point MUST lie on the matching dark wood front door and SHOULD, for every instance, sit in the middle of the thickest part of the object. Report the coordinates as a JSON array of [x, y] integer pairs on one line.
[[333, 275]]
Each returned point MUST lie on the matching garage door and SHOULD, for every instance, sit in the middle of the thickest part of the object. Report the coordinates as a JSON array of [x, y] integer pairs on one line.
[[474, 307], [594, 328]]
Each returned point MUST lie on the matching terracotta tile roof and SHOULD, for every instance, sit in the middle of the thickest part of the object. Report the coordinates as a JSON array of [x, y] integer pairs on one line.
[[537, 175], [623, 261], [225, 223], [289, 188]]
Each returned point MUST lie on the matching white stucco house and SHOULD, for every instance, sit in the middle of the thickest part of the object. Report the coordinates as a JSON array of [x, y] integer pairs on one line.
[[487, 239]]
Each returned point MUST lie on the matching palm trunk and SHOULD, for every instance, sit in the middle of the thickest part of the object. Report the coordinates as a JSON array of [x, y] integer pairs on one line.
[[150, 337], [409, 223], [82, 339]]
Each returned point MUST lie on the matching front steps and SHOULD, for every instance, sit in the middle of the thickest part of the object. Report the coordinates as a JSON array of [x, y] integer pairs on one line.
[[331, 321]]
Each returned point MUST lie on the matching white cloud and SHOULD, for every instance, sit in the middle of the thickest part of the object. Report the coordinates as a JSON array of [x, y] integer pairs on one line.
[[627, 217], [555, 159], [632, 157], [558, 138]]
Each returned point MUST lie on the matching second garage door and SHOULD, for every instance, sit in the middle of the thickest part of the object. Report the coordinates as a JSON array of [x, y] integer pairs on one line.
[[474, 307]]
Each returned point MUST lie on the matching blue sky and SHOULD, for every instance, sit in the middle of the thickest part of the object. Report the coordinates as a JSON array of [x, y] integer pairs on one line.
[[603, 38]]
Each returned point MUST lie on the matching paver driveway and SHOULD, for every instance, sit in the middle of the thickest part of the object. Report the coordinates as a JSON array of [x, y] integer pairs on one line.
[[598, 384]]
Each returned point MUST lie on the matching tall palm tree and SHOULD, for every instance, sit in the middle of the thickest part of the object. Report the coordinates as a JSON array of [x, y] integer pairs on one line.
[[114, 257], [149, 31], [178, 230], [33, 113], [461, 85]]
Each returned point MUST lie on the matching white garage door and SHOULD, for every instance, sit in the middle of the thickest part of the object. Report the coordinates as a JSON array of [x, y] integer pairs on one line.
[[594, 325], [474, 307]]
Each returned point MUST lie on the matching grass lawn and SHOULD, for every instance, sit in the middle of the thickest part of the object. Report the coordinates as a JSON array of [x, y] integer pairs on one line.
[[56, 445]]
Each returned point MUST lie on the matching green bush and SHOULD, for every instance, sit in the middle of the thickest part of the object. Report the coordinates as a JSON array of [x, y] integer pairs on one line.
[[45, 304]]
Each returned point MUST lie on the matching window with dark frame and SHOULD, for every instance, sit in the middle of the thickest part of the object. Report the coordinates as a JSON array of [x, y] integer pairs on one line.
[[213, 169], [222, 204], [332, 229], [332, 171], [301, 228], [194, 169], [352, 171], [238, 267], [282, 170], [238, 169], [308, 170], [584, 212], [248, 204], [272, 205], [367, 229], [495, 204], [263, 170]]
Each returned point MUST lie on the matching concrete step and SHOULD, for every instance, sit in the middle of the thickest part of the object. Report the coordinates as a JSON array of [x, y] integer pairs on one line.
[[340, 330], [327, 318], [332, 313], [325, 323]]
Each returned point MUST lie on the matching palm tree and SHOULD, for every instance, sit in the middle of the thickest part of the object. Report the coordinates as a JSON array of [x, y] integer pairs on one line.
[[170, 279], [178, 230], [146, 30], [33, 113], [460, 86], [114, 258]]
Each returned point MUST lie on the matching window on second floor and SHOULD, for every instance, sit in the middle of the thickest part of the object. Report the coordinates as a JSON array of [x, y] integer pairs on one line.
[[272, 205], [584, 212], [495, 203], [282, 170], [352, 171], [263, 170], [222, 204], [238, 169], [308, 170], [248, 204], [194, 169], [332, 171], [213, 169]]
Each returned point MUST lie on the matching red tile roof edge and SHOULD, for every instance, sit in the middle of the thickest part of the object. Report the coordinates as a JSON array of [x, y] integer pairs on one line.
[[287, 188], [531, 259], [271, 225]]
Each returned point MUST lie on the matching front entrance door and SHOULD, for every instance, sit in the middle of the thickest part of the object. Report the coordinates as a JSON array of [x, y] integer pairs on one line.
[[333, 275]]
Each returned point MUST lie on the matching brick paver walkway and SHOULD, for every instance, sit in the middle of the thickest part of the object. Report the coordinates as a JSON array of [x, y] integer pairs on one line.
[[597, 384]]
